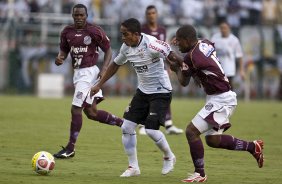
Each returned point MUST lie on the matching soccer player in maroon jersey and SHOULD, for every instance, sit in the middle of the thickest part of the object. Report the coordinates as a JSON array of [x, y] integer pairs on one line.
[[81, 40], [151, 27], [201, 63]]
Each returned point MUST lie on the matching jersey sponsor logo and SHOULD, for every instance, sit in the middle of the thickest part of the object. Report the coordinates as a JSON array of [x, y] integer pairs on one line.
[[157, 49], [163, 43], [78, 35], [87, 40], [209, 106], [77, 50], [140, 69]]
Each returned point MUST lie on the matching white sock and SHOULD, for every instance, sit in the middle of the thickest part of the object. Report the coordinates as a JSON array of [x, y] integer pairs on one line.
[[160, 141], [129, 142], [168, 123]]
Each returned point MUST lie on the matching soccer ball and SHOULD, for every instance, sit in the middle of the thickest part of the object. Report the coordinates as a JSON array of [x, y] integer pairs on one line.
[[43, 162]]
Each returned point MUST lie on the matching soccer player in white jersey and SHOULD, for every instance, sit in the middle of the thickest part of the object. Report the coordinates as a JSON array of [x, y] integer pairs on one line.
[[152, 97], [228, 50], [152, 27]]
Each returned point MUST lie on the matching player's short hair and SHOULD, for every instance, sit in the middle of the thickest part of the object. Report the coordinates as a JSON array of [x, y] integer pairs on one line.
[[80, 6], [224, 22], [132, 25], [187, 32], [151, 7]]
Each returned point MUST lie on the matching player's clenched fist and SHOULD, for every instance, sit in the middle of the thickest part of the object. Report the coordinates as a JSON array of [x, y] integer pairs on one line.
[[59, 60], [95, 89]]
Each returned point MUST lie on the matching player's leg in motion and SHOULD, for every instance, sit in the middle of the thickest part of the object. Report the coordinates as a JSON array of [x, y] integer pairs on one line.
[[158, 107], [76, 124], [101, 116], [169, 126], [169, 158], [217, 141], [197, 154], [129, 142], [232, 143]]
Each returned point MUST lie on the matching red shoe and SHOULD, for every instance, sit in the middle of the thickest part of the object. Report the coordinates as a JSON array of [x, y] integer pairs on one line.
[[258, 152], [195, 177]]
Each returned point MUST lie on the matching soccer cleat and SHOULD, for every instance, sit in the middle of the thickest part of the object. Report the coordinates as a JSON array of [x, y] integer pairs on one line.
[[195, 177], [258, 152], [174, 130], [130, 171], [64, 153], [142, 130], [168, 165]]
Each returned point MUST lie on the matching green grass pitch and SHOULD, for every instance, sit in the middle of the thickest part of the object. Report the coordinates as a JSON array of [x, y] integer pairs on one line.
[[29, 125]]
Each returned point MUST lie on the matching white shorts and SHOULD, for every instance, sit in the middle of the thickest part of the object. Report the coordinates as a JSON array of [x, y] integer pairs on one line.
[[83, 80], [213, 118]]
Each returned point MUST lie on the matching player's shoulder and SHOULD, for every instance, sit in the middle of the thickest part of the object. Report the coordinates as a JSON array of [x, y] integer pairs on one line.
[[204, 47], [161, 28], [233, 37], [124, 48], [216, 36], [207, 41], [148, 38], [95, 29], [68, 28], [93, 26]]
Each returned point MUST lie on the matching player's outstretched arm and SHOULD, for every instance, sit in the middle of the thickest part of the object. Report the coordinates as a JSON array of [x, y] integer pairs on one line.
[[60, 58], [112, 69]]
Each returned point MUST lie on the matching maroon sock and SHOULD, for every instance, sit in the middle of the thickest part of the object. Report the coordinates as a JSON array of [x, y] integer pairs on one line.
[[76, 124], [197, 154], [108, 118], [231, 143]]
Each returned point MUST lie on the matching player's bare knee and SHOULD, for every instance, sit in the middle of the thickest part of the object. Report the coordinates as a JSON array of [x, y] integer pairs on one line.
[[90, 114], [192, 133], [76, 110], [212, 140]]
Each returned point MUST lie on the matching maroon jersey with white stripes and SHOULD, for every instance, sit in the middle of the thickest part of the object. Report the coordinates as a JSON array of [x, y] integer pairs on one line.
[[82, 44], [204, 65], [160, 33]]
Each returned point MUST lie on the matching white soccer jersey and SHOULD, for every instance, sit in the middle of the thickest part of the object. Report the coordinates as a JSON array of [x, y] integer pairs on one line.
[[227, 50], [147, 60]]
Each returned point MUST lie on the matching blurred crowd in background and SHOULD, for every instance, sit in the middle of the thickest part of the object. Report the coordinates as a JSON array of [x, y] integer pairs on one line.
[[30, 35]]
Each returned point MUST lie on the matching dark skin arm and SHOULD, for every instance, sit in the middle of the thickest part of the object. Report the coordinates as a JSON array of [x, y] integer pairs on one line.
[[107, 60], [111, 70], [59, 60], [176, 62]]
